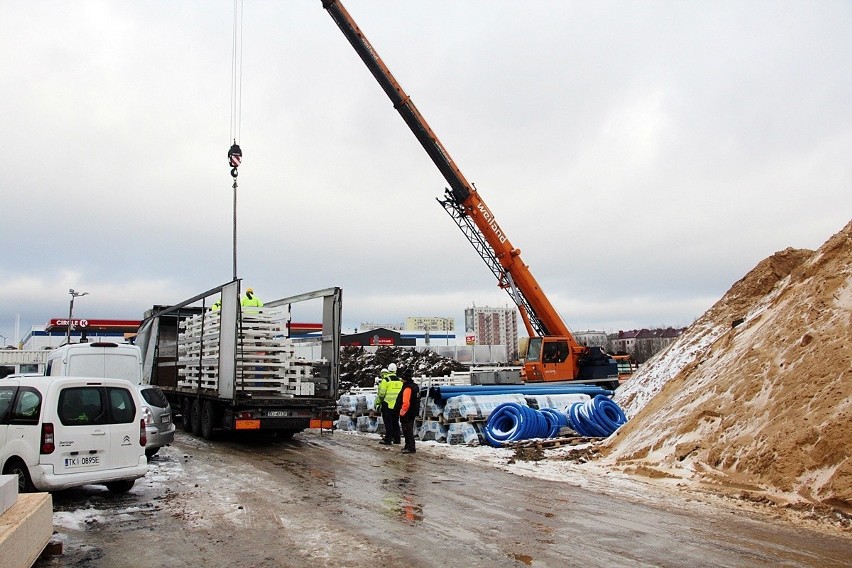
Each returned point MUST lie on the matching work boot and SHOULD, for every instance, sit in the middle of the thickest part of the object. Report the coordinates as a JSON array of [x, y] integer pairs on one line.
[[397, 441], [385, 442], [408, 450]]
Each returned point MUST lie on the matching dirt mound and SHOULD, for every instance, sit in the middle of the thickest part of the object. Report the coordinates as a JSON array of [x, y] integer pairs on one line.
[[757, 394]]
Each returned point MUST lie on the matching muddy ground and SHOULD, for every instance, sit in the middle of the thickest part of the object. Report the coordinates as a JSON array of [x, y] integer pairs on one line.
[[343, 500]]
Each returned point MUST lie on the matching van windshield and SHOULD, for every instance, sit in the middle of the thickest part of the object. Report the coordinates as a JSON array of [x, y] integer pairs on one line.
[[112, 366]]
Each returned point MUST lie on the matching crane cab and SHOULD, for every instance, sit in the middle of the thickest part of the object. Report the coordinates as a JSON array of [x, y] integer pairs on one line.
[[559, 359]]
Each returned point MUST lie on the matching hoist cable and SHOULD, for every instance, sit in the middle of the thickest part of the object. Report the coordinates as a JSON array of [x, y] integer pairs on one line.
[[235, 154], [237, 72]]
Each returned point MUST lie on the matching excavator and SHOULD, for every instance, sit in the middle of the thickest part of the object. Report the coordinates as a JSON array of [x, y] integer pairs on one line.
[[553, 354]]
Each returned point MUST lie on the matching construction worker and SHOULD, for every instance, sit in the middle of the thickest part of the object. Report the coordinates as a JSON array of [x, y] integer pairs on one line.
[[409, 408], [389, 388], [217, 305], [251, 301]]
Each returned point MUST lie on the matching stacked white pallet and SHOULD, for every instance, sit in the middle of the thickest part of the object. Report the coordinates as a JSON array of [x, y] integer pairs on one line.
[[198, 354], [262, 358], [298, 373]]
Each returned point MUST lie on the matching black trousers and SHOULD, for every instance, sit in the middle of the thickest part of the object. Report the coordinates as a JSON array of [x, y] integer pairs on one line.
[[390, 418], [408, 430]]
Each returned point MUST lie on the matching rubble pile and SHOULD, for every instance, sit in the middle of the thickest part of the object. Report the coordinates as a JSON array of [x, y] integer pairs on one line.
[[756, 396], [360, 368]]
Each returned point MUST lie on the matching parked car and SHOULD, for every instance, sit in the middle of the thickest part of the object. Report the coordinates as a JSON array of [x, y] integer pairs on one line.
[[123, 361], [61, 432], [159, 424]]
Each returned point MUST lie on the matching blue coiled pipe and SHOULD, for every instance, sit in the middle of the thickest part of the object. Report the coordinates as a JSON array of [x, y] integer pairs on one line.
[[557, 420], [511, 421], [596, 418]]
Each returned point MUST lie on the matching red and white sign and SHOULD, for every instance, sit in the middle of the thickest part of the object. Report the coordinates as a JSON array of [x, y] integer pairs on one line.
[[93, 323]]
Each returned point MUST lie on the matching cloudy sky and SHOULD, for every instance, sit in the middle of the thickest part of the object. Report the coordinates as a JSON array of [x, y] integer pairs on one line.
[[644, 156]]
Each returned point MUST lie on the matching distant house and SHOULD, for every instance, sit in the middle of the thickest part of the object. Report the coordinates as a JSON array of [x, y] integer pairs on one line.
[[642, 344]]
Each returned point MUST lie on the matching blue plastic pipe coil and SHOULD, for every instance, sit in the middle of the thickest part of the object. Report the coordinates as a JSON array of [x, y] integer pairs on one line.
[[596, 418], [510, 421]]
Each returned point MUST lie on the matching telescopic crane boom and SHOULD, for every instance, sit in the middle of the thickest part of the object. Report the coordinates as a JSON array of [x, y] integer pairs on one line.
[[554, 354]]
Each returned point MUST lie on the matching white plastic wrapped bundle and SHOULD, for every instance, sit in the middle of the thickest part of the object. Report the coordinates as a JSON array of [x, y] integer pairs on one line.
[[344, 423], [432, 430], [434, 408], [370, 424], [467, 433], [557, 401], [365, 402], [478, 406], [346, 403]]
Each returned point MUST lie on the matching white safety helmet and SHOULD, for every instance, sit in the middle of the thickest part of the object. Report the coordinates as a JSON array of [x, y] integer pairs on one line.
[[383, 371], [392, 367]]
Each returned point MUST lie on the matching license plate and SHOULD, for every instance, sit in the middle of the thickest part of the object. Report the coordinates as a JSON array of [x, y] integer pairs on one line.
[[82, 461], [166, 418], [277, 413]]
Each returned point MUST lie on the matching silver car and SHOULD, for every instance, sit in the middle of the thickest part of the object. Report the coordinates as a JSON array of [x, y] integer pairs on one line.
[[159, 426]]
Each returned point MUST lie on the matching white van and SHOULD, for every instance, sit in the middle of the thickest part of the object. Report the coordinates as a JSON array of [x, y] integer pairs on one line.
[[61, 432], [103, 359], [121, 361]]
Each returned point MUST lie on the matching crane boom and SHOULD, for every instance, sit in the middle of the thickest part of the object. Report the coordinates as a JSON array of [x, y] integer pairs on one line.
[[470, 212]]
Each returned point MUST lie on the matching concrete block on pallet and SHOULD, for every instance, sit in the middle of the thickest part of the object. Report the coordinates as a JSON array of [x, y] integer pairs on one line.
[[8, 492]]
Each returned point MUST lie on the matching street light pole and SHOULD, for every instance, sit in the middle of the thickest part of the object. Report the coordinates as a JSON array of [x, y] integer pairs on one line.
[[71, 312]]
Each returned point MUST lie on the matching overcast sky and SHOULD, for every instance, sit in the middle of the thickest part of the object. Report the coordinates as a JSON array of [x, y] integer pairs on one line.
[[644, 156]]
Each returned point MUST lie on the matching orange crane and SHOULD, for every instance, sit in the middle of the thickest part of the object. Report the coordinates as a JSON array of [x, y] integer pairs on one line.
[[553, 353]]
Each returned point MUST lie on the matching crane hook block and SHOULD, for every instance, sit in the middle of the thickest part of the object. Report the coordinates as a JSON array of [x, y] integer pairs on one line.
[[235, 156]]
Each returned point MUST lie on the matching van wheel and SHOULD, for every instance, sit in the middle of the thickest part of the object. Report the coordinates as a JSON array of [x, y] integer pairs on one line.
[[149, 453], [186, 414], [195, 417], [208, 420], [19, 468], [122, 486]]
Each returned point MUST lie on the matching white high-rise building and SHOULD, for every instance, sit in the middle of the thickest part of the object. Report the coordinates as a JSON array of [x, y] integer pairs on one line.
[[492, 326]]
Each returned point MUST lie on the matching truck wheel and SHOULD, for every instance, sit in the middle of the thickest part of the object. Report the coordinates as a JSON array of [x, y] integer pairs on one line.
[[19, 468], [185, 414], [208, 420], [195, 417]]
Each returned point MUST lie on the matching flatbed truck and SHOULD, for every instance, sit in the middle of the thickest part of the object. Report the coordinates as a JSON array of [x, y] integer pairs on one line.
[[235, 368]]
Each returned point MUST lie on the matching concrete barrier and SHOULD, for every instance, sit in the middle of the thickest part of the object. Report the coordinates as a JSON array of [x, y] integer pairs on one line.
[[25, 528]]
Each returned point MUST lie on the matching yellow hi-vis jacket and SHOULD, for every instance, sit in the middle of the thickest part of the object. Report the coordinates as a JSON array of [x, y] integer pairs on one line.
[[251, 300], [389, 388]]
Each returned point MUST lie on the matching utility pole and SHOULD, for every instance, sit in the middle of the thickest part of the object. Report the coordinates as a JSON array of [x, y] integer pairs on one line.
[[71, 312]]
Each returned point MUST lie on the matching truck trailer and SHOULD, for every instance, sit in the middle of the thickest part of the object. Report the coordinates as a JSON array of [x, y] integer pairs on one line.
[[225, 367]]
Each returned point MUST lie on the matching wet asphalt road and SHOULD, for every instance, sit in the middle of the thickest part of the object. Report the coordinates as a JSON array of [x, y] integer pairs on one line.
[[342, 500]]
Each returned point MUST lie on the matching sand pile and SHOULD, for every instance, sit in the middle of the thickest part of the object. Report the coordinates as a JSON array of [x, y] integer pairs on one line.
[[756, 396]]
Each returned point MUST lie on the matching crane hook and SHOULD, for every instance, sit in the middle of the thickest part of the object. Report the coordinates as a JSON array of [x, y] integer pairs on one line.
[[235, 156]]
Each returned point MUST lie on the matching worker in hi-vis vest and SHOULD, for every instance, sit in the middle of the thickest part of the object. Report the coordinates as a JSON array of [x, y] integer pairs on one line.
[[389, 388], [251, 301]]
